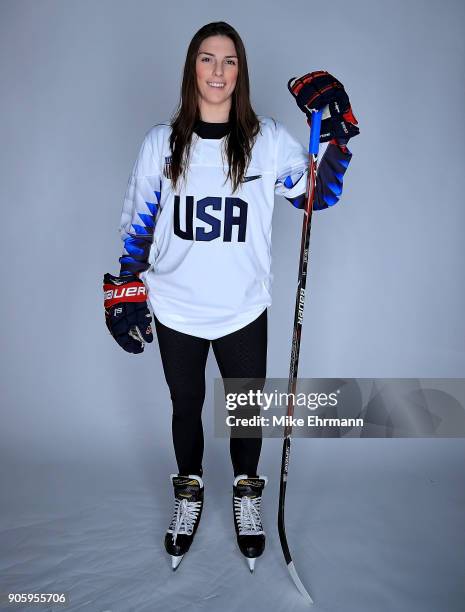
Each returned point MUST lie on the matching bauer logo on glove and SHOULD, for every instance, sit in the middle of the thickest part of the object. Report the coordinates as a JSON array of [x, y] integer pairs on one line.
[[126, 312]]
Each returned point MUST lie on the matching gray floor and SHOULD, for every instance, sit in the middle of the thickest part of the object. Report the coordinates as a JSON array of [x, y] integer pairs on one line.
[[373, 525]]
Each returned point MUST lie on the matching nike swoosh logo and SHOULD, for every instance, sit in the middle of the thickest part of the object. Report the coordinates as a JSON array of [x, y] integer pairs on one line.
[[251, 178]]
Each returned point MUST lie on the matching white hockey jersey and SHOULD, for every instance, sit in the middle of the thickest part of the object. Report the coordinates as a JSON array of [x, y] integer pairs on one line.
[[203, 252]]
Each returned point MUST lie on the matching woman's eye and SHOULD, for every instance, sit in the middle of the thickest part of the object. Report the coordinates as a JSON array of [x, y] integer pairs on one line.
[[229, 61]]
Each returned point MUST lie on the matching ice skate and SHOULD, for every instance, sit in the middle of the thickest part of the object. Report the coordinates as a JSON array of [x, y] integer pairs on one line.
[[247, 497], [188, 493]]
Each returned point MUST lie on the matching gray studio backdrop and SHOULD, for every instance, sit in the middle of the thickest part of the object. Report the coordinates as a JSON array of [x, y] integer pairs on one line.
[[85, 434]]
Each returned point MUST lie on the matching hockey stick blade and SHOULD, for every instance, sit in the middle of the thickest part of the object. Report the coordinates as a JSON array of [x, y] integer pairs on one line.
[[298, 583]]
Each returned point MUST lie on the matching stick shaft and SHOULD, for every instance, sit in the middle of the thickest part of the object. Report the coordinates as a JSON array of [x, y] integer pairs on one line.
[[296, 336], [303, 263]]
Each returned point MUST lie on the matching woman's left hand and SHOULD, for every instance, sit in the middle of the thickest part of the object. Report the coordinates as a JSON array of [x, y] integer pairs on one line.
[[318, 89]]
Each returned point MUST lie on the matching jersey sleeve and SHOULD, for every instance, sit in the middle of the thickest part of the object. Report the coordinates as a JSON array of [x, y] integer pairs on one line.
[[292, 170], [140, 209], [331, 175]]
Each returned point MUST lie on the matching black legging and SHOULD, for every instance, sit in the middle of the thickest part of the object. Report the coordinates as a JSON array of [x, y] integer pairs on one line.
[[241, 354]]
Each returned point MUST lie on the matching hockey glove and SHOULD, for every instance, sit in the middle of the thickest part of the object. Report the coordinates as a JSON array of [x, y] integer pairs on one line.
[[317, 90], [126, 313]]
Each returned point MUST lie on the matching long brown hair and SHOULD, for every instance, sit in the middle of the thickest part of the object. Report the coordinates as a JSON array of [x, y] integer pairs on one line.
[[244, 122]]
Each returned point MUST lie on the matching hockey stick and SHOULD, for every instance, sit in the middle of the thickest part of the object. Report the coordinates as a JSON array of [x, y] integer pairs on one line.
[[298, 317]]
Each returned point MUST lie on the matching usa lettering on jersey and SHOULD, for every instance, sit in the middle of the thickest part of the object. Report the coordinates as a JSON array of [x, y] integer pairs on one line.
[[216, 213]]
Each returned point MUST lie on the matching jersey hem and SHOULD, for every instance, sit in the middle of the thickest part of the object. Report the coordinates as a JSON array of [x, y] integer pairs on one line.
[[227, 329]]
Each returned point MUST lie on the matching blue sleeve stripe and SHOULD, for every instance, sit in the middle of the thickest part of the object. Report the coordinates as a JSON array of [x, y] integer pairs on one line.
[[152, 207], [336, 188], [147, 220], [141, 230], [288, 182], [330, 199], [132, 249]]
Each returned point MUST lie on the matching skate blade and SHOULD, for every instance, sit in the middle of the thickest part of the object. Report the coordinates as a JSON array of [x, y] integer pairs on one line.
[[251, 563], [175, 561]]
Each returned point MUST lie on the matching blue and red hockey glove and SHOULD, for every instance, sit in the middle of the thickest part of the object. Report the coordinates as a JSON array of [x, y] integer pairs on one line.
[[126, 312], [317, 90]]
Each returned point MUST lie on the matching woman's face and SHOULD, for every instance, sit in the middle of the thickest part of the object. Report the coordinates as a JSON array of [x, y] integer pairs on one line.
[[216, 69]]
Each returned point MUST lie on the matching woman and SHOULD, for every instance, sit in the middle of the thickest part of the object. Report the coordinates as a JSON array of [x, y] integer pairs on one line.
[[196, 226]]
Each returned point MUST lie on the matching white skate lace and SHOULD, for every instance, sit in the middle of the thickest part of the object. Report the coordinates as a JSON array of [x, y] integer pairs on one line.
[[184, 517], [248, 516]]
